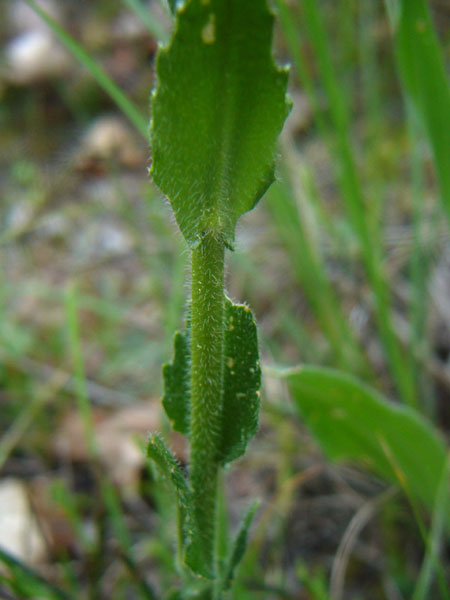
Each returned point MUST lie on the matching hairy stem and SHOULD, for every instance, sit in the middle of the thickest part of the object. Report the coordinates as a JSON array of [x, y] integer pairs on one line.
[[207, 340]]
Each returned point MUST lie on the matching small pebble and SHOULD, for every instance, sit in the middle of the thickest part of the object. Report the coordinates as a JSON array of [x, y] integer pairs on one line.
[[19, 532], [22, 18], [34, 56], [109, 137]]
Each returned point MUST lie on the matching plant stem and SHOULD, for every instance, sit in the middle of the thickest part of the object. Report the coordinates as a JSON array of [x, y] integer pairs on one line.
[[207, 335]]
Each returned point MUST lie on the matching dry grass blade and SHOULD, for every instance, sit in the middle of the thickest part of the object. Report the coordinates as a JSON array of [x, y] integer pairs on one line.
[[349, 539]]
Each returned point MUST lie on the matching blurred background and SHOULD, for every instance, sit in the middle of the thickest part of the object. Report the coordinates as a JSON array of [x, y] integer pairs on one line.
[[345, 263]]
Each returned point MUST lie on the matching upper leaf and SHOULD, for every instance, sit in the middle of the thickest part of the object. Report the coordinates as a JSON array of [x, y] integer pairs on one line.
[[218, 109]]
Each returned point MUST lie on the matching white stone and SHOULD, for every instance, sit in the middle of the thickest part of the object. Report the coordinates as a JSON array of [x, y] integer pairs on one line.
[[19, 532], [35, 55], [23, 18]]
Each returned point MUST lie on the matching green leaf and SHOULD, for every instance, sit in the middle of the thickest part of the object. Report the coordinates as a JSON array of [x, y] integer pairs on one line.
[[423, 73], [176, 399], [218, 108], [242, 379], [167, 464], [240, 544], [353, 421], [189, 534]]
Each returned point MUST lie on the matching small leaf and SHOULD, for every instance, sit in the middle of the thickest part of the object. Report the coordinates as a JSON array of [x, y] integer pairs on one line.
[[167, 464], [240, 544], [177, 397], [189, 533], [242, 379], [353, 421], [217, 111]]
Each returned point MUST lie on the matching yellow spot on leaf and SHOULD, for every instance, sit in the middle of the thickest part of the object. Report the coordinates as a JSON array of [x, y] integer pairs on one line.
[[338, 413], [421, 26], [209, 30]]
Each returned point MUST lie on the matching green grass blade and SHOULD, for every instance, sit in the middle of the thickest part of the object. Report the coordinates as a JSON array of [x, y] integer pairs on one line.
[[99, 74], [354, 200], [357, 208], [31, 579], [76, 355], [244, 265], [240, 544], [310, 270], [112, 502], [29, 413], [369, 67], [108, 493], [423, 74], [420, 267], [314, 583], [148, 19], [431, 561], [290, 31], [172, 5], [68, 502]]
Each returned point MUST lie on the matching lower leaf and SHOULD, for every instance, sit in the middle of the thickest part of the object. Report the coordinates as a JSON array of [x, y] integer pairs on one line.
[[353, 421], [189, 533]]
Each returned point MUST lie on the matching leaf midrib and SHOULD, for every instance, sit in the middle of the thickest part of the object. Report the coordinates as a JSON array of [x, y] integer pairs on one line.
[[225, 114]]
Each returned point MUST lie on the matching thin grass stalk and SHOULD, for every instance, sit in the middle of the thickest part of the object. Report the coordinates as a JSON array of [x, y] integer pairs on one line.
[[311, 271], [107, 492], [147, 18], [432, 564], [99, 74], [419, 269], [350, 187]]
